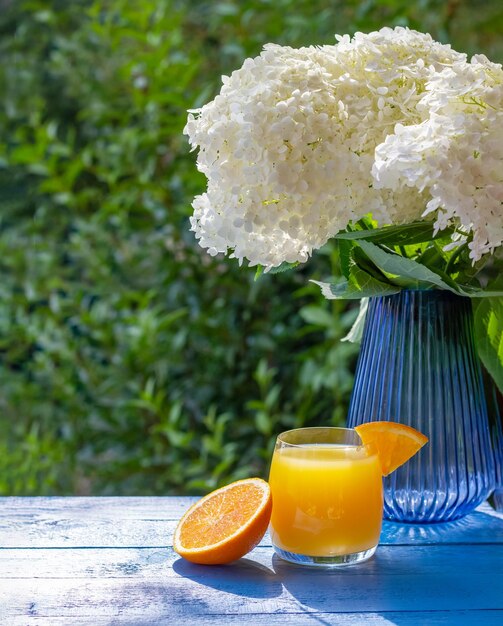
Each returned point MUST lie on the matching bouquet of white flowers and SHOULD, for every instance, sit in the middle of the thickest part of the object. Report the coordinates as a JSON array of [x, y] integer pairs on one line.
[[389, 142]]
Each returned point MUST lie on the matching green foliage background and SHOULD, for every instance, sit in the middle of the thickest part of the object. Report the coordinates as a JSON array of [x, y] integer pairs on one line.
[[130, 361]]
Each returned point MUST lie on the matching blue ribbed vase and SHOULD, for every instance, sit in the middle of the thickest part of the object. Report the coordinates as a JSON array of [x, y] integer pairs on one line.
[[418, 366]]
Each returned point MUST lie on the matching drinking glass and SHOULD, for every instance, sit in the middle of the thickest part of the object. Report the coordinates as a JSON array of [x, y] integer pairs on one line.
[[327, 497]]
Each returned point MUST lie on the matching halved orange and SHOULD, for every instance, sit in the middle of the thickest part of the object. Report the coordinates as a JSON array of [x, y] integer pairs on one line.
[[395, 443], [226, 524]]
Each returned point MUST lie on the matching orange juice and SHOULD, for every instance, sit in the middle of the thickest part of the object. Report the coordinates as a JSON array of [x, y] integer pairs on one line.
[[327, 499]]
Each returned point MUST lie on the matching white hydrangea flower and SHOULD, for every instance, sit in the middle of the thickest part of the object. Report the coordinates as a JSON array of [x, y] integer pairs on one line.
[[456, 153], [289, 145]]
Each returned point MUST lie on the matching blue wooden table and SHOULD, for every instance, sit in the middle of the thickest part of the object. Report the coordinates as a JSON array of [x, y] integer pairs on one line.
[[109, 561]]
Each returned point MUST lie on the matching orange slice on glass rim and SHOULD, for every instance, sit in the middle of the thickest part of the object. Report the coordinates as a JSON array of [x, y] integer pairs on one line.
[[226, 524], [395, 443]]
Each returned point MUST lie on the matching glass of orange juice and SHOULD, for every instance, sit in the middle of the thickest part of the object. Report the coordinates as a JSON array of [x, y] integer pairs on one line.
[[327, 497]]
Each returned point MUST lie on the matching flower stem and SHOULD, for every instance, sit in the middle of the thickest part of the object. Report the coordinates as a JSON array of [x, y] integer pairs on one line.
[[454, 258]]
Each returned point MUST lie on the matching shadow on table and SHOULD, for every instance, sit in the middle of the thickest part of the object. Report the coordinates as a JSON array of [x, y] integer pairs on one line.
[[474, 528], [383, 587], [255, 580], [332, 591]]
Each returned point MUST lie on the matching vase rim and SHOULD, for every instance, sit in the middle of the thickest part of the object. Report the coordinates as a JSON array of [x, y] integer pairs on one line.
[[435, 291]]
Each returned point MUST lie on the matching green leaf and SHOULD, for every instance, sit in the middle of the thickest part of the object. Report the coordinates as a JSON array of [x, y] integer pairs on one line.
[[361, 260], [258, 272], [488, 325], [263, 423], [360, 285], [356, 333], [433, 256], [405, 234], [284, 267], [477, 292], [345, 248], [402, 271], [317, 316]]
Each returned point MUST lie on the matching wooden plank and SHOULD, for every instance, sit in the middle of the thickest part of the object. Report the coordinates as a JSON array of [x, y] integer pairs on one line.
[[79, 600], [145, 507], [72, 532], [150, 522], [164, 562], [387, 618], [107, 583], [66, 522]]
